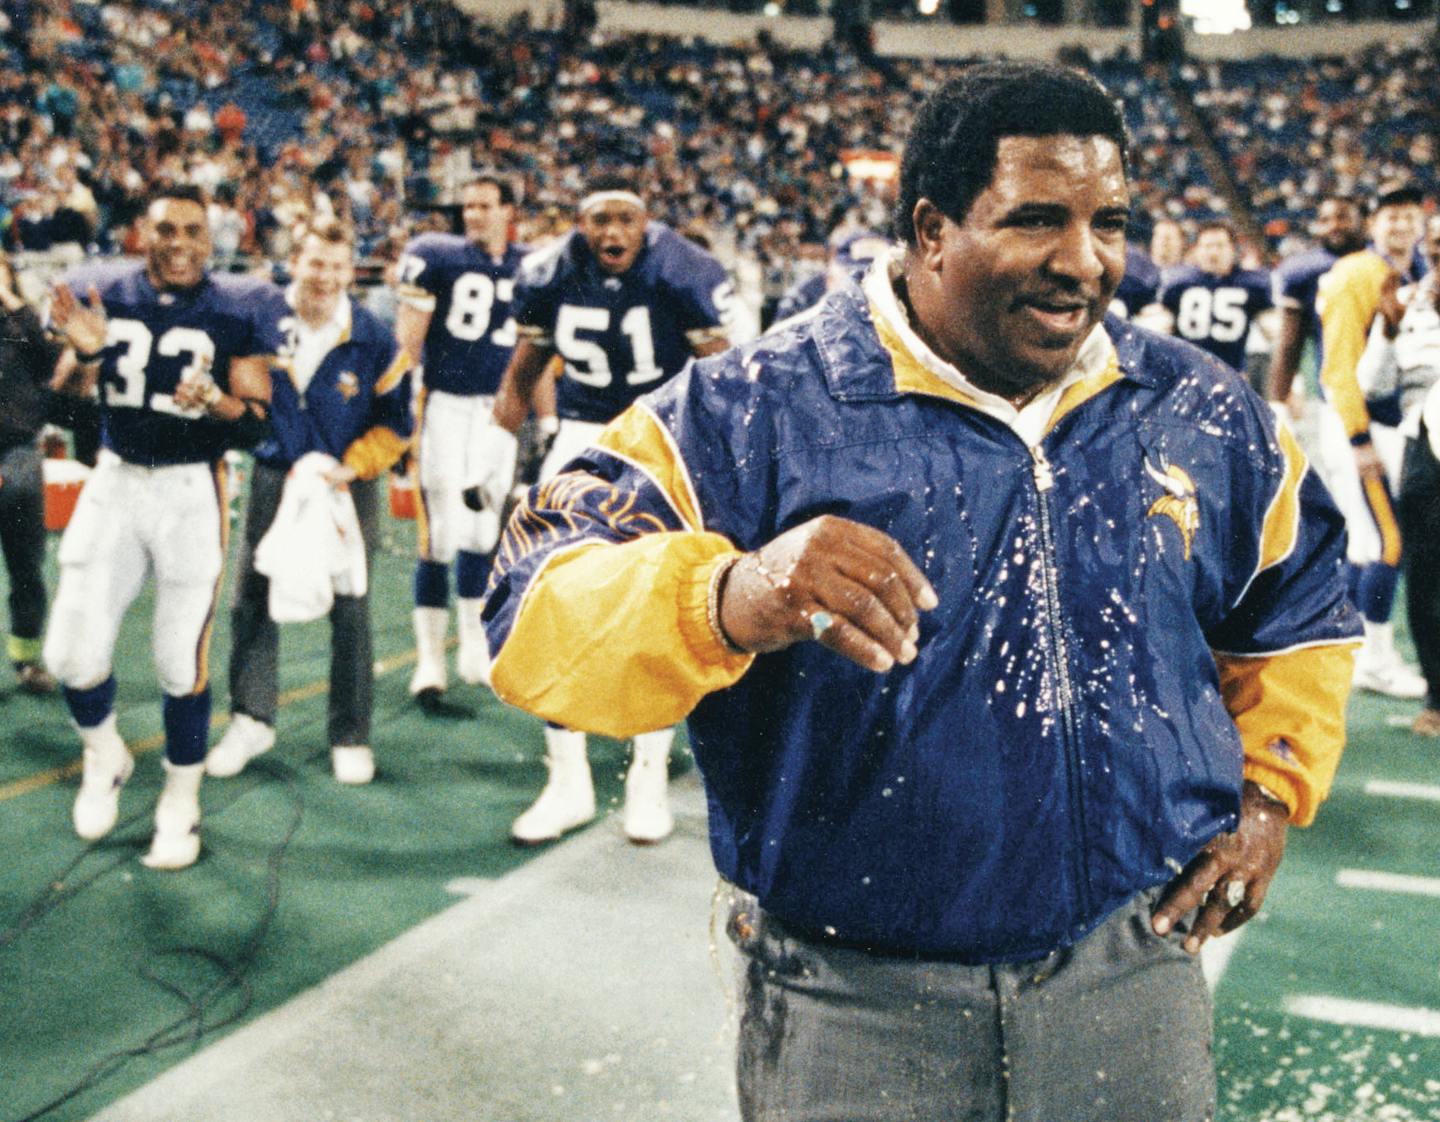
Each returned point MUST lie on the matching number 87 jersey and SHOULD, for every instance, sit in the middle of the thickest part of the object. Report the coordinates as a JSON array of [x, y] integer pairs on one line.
[[467, 293], [620, 336]]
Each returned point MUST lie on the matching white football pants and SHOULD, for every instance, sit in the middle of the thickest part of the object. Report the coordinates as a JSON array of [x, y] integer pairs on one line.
[[130, 522], [445, 435]]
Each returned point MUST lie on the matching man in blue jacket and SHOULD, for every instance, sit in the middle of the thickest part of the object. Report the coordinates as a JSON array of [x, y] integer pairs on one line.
[[1010, 641], [340, 388]]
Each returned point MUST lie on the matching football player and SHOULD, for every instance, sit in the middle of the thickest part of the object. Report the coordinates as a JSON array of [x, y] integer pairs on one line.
[[1214, 302], [850, 252], [1361, 454], [182, 360], [340, 389], [455, 314], [1340, 229], [1139, 287], [625, 302]]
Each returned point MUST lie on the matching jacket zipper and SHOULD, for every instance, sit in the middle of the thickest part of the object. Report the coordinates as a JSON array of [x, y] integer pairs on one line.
[[1060, 659]]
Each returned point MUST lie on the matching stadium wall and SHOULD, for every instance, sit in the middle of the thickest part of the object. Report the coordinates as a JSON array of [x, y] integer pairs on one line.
[[940, 39]]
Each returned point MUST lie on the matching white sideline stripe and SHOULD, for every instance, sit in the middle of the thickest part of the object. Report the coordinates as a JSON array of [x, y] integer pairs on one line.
[[1388, 882], [1367, 1014], [1390, 789]]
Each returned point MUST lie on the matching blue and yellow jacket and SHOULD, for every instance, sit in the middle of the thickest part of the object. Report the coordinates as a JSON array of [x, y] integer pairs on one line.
[[1134, 615], [356, 407]]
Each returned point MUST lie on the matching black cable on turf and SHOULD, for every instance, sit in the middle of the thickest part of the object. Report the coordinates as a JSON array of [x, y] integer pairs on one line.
[[192, 1026]]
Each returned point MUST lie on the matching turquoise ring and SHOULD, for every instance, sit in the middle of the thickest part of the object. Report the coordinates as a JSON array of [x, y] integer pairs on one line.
[[821, 622]]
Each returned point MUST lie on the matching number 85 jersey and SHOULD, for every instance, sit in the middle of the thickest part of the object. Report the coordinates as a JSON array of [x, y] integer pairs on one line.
[[620, 336], [467, 293], [1215, 313], [154, 339]]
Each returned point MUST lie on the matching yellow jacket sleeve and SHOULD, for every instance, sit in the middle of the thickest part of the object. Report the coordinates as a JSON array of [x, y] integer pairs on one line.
[[1290, 710], [1349, 298], [638, 651], [375, 451]]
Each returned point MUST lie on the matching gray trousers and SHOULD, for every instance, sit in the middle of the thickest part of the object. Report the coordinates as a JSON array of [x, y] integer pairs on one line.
[[1116, 1029], [22, 537], [255, 637]]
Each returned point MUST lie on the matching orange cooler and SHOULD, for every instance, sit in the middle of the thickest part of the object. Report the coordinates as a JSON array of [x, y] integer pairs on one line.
[[63, 481], [402, 496]]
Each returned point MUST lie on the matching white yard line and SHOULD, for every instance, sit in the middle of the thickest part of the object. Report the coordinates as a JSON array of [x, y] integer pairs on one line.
[[1386, 788], [1388, 882], [1366, 1014]]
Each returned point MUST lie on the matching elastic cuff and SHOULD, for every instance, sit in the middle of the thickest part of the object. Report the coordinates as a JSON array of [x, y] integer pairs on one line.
[[1285, 787]]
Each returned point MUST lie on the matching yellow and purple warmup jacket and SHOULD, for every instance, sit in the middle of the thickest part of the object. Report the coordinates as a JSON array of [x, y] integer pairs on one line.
[[1136, 614], [1347, 300], [356, 407]]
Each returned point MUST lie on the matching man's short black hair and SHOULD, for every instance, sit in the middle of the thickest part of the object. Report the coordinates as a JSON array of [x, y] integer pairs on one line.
[[183, 192], [1398, 192], [950, 153], [505, 188]]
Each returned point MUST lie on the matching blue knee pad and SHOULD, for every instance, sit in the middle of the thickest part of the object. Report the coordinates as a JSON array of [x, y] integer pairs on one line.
[[90, 707], [472, 572], [187, 727], [432, 584]]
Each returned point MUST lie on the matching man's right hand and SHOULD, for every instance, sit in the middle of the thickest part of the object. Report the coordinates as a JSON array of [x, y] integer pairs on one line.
[[494, 454], [83, 326], [846, 585]]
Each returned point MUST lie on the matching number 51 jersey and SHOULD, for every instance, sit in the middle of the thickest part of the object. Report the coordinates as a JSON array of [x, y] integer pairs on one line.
[[154, 339], [467, 293], [620, 336]]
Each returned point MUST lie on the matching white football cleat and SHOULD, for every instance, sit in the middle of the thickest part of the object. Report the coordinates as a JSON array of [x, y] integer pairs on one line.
[[568, 800], [176, 844], [1379, 667], [1385, 672], [106, 764], [472, 662], [647, 817], [245, 739], [353, 764], [431, 625]]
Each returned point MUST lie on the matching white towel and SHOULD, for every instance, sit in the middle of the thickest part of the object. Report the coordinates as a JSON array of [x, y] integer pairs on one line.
[[314, 548]]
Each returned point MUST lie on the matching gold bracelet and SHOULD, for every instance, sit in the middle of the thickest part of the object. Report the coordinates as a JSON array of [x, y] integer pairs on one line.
[[712, 603]]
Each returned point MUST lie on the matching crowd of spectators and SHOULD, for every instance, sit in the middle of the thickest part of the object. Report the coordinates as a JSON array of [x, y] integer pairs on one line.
[[1293, 131], [378, 110]]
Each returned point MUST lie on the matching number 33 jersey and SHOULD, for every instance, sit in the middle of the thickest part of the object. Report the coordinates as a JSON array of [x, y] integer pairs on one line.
[[156, 338], [620, 336], [467, 293], [1215, 313]]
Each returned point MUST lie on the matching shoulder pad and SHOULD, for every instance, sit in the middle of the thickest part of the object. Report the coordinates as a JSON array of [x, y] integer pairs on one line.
[[538, 267]]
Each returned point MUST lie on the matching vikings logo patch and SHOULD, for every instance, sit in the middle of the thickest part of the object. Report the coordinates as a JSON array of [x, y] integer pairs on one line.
[[347, 384], [1178, 504]]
